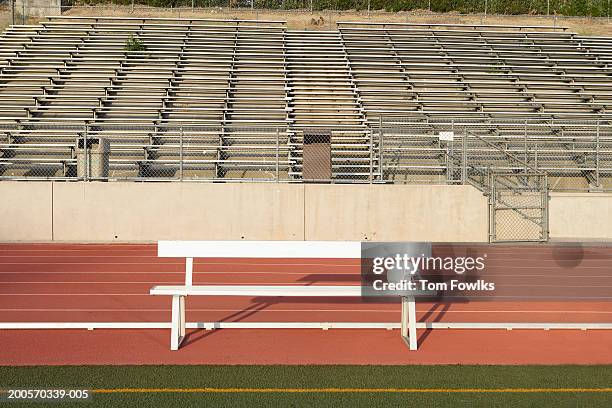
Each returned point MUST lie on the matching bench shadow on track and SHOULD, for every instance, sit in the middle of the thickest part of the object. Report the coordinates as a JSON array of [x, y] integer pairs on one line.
[[257, 306], [436, 312]]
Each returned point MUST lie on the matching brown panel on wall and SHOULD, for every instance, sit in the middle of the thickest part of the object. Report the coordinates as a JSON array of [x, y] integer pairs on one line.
[[317, 156]]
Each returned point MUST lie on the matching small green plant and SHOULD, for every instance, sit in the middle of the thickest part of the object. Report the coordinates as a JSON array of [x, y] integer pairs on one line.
[[134, 44]]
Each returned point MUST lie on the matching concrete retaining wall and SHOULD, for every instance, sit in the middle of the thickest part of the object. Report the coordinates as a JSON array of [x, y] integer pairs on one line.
[[26, 211], [581, 216], [107, 212], [41, 8], [395, 213]]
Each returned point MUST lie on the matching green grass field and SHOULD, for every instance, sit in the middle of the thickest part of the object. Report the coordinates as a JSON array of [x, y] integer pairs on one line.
[[517, 386]]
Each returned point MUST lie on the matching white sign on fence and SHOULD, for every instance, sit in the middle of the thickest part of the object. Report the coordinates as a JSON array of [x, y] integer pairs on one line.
[[448, 136]]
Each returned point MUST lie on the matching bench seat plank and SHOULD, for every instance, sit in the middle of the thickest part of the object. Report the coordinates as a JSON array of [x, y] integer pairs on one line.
[[259, 249], [277, 290]]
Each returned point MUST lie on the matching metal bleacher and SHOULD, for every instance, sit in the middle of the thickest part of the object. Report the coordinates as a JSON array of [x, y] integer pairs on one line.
[[212, 99]]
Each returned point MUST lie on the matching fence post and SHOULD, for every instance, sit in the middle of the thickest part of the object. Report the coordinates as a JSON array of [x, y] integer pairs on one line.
[[485, 10], [181, 155], [23, 13], [13, 11], [597, 156], [464, 156], [526, 158], [277, 154], [86, 152], [381, 148], [371, 155]]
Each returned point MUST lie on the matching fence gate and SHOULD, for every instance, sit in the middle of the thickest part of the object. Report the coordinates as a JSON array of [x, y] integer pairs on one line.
[[518, 207]]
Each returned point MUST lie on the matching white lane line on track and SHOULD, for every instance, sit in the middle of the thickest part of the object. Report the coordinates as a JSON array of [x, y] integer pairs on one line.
[[356, 265], [302, 274], [210, 273], [308, 310]]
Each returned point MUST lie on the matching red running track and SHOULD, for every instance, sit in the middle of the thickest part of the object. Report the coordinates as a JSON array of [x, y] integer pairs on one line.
[[110, 283]]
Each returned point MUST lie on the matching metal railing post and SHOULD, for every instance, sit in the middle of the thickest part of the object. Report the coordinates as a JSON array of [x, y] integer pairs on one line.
[[181, 166], [545, 209], [492, 221], [526, 158], [464, 156], [381, 148], [486, 6], [86, 152], [597, 156], [371, 155], [277, 154]]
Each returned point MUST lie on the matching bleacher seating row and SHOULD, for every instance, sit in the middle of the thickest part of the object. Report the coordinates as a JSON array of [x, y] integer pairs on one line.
[[233, 99]]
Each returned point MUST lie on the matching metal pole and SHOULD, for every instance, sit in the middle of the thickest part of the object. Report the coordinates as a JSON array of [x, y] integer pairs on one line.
[[450, 168], [526, 158], [369, 5], [464, 156], [13, 11], [381, 147], [486, 8], [545, 209], [371, 155], [277, 153], [548, 7], [23, 12], [181, 155], [492, 221], [86, 152], [597, 156]]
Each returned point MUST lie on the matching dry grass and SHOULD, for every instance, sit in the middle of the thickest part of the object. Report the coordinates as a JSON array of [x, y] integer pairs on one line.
[[326, 20]]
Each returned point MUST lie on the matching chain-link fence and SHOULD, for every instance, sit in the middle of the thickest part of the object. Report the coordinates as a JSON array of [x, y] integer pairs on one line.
[[590, 16], [120, 152], [575, 156], [594, 8], [518, 204]]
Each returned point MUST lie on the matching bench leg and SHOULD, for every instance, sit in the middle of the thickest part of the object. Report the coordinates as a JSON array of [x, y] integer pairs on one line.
[[408, 330], [177, 332], [188, 271]]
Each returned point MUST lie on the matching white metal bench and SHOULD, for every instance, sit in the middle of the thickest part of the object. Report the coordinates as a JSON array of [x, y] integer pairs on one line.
[[264, 249]]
